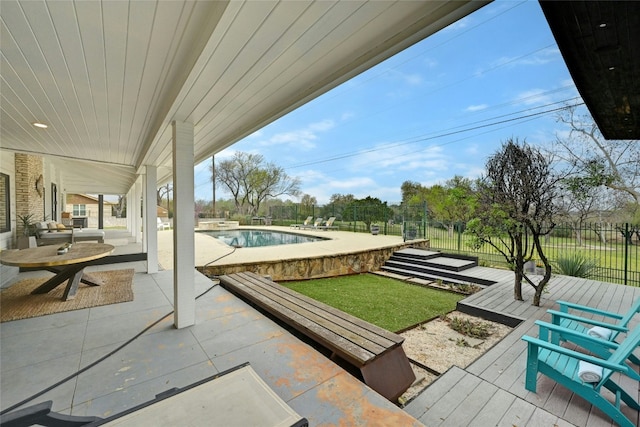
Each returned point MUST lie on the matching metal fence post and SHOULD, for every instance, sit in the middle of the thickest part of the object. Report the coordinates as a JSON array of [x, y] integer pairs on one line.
[[354, 218], [424, 219], [626, 251]]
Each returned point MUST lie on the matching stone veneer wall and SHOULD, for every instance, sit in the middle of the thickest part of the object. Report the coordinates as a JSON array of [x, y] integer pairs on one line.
[[317, 267], [28, 201]]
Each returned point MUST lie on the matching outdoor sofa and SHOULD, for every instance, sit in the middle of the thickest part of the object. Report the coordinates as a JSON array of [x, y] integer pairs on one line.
[[53, 233]]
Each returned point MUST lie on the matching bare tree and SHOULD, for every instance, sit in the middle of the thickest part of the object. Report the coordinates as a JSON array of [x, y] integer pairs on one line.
[[307, 201], [251, 181], [578, 201], [614, 164], [515, 208], [120, 205], [163, 191]]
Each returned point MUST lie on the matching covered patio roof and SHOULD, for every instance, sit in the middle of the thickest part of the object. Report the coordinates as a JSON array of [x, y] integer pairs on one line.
[[599, 43], [109, 77]]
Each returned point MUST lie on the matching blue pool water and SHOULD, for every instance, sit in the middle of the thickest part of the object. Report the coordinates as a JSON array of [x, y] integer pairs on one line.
[[247, 238]]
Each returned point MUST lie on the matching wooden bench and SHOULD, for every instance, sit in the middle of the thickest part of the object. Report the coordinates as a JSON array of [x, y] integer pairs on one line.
[[376, 352]]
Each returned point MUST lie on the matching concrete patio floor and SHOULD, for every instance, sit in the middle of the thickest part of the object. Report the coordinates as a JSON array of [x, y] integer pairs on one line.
[[37, 353]]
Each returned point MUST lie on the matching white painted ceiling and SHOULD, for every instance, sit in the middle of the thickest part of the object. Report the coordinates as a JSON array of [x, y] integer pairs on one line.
[[109, 77]]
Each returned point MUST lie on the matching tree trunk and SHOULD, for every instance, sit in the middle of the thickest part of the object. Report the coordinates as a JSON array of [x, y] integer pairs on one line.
[[517, 286], [547, 271], [518, 268]]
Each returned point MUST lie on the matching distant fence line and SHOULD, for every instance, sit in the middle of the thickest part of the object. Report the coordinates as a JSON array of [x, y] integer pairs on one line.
[[615, 247]]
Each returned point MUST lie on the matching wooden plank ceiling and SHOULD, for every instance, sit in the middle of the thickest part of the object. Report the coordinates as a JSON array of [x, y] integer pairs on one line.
[[108, 77]]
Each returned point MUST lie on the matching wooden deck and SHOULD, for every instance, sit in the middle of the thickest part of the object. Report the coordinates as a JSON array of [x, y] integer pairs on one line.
[[491, 390]]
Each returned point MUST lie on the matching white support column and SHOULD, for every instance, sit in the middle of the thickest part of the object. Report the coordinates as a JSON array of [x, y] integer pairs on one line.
[[143, 213], [137, 210], [129, 198], [151, 214], [183, 226]]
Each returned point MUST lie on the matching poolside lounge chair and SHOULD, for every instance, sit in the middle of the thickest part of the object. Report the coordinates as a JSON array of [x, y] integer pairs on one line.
[[162, 225], [568, 368], [305, 223], [315, 224], [585, 326], [328, 225]]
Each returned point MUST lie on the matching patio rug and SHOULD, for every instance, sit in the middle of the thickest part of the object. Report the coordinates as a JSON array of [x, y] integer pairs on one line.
[[17, 302]]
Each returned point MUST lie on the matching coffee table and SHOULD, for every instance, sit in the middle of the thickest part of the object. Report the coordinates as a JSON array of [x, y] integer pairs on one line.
[[67, 267]]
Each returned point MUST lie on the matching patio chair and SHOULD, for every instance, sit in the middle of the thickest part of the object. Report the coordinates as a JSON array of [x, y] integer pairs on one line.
[[306, 222], [328, 225], [569, 368], [608, 332], [594, 345], [315, 224]]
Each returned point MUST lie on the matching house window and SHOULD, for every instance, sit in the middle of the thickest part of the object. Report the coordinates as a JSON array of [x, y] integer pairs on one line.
[[5, 204], [79, 210]]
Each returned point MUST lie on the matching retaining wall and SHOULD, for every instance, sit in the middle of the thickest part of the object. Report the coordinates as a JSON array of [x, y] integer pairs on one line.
[[316, 267]]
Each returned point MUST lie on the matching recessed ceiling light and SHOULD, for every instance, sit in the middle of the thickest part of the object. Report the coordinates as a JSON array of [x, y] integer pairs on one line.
[[603, 25], [612, 68], [40, 125]]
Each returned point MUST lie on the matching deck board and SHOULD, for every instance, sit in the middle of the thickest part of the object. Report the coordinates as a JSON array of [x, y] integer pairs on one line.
[[491, 390]]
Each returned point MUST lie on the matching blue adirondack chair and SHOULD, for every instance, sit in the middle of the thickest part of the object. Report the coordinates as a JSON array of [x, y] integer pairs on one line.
[[604, 348], [562, 366], [580, 324]]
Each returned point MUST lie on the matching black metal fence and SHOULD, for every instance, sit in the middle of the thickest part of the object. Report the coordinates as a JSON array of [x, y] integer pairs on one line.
[[615, 248]]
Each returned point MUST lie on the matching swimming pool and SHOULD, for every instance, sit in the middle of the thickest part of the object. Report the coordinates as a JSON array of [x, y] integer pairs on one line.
[[247, 238]]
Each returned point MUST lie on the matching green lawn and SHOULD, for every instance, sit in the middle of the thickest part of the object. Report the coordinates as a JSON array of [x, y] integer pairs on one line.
[[388, 303]]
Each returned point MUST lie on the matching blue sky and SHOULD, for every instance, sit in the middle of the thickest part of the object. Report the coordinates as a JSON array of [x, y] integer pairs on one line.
[[438, 109]]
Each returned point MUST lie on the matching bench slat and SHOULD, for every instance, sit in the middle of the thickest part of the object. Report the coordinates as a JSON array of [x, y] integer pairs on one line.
[[342, 346], [327, 316], [378, 331], [327, 321]]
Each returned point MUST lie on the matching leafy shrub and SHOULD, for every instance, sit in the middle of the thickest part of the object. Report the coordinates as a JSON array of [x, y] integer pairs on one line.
[[563, 231], [575, 264], [469, 327]]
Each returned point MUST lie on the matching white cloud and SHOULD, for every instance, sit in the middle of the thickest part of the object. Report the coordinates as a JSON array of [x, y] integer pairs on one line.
[[347, 116], [458, 25], [322, 126], [430, 62], [542, 57], [300, 138], [472, 150], [400, 158], [411, 79], [533, 97], [473, 108]]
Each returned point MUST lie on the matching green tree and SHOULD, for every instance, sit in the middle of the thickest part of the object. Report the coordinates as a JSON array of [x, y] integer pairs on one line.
[[515, 208], [452, 203], [367, 210], [307, 202], [336, 206], [412, 193]]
